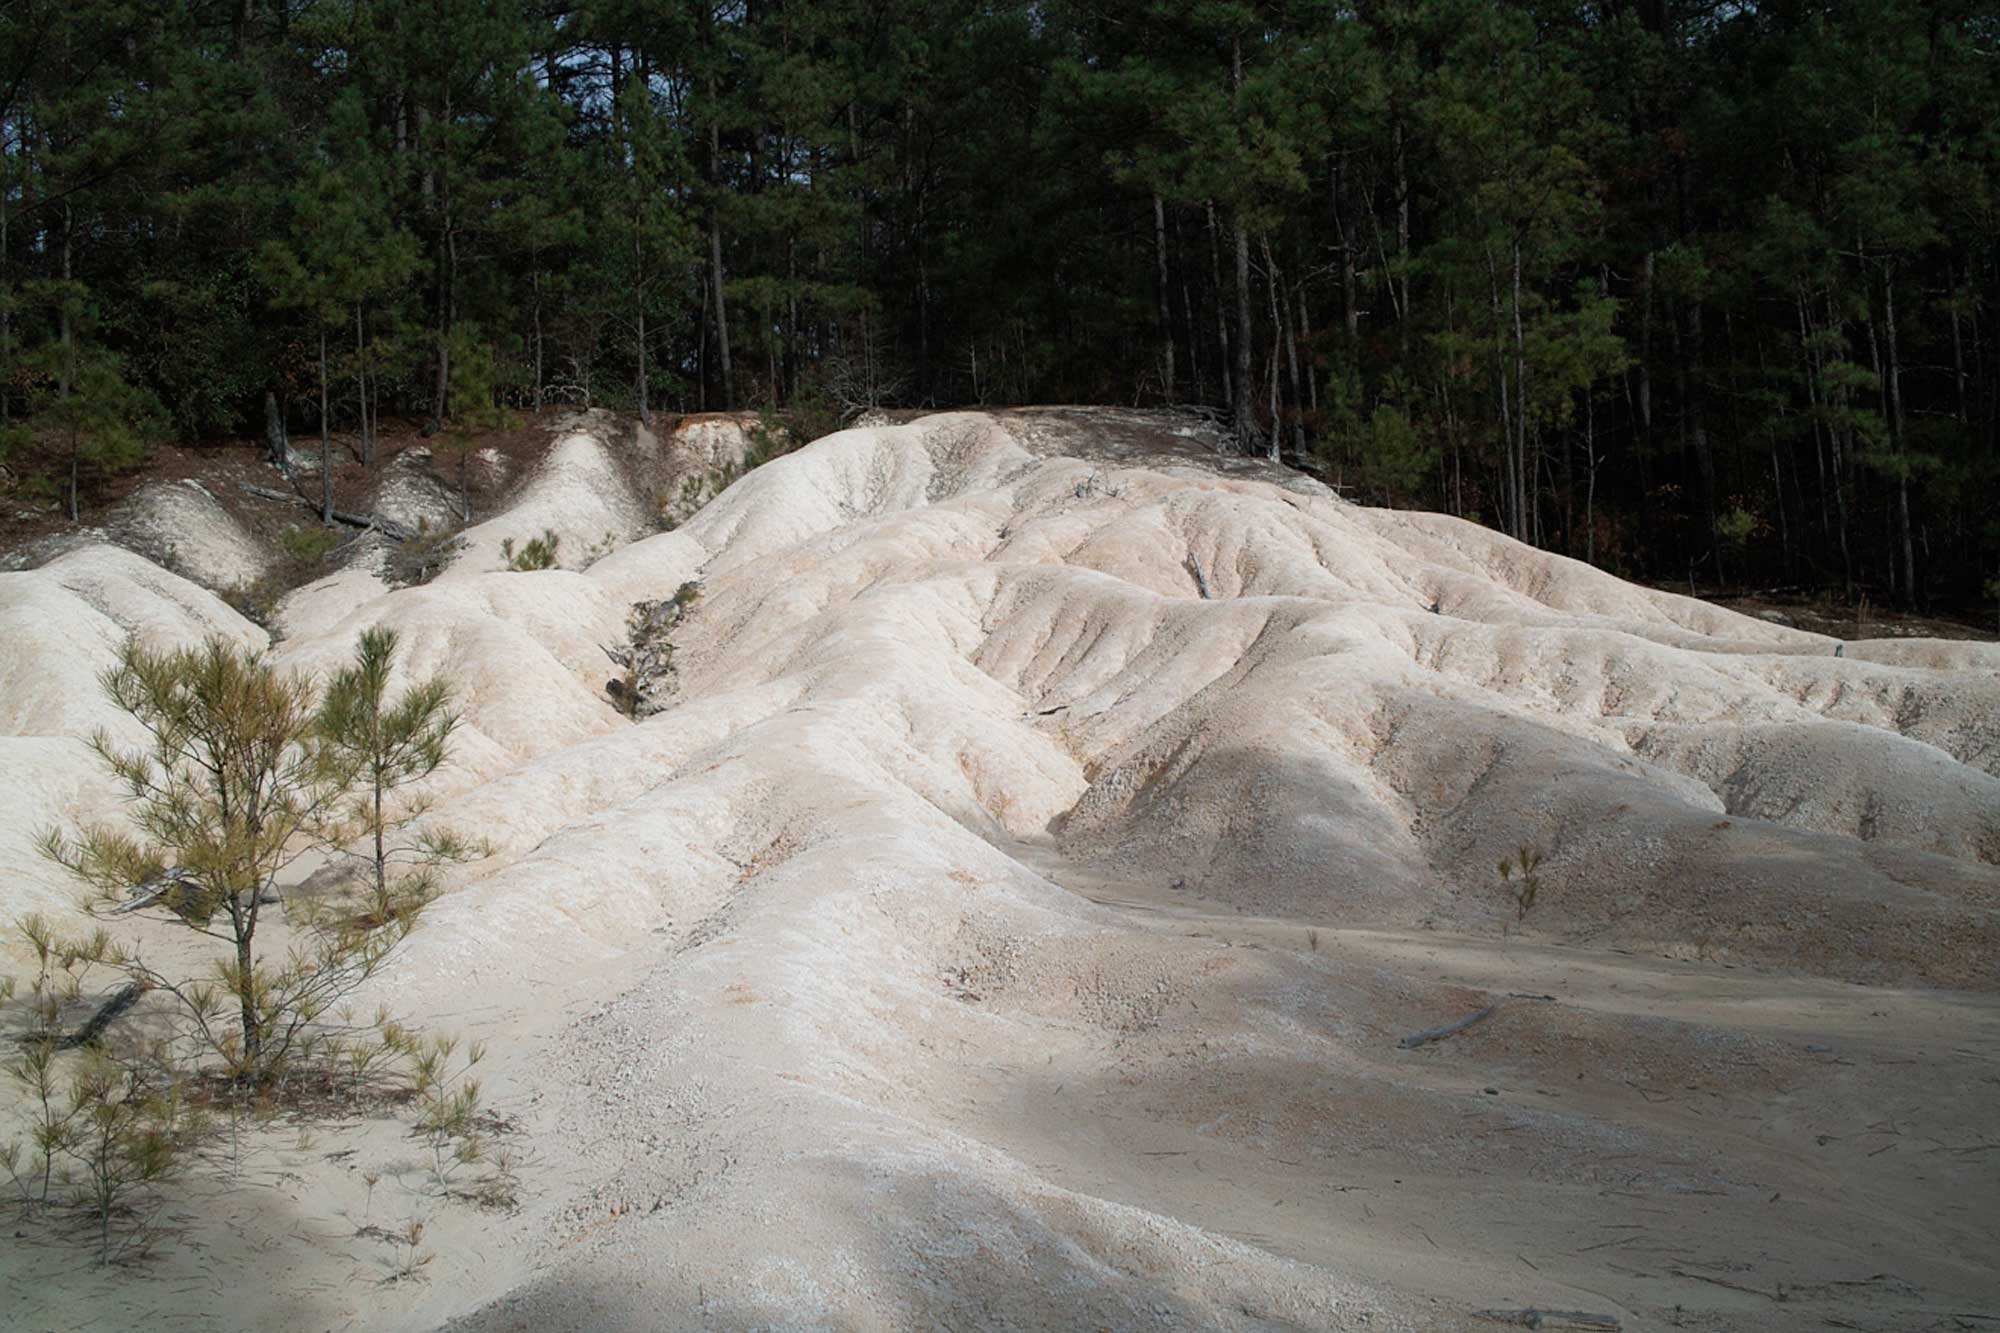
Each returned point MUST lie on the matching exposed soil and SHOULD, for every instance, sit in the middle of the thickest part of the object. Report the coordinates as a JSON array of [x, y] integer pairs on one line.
[[1018, 910]]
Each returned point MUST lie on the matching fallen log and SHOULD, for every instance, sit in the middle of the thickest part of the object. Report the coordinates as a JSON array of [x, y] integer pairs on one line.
[[141, 896], [389, 528], [1533, 1318], [1193, 567], [107, 1013], [1416, 1039]]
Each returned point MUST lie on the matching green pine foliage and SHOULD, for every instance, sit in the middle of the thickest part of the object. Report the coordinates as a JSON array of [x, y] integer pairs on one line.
[[89, 420], [388, 746], [243, 769], [1611, 278]]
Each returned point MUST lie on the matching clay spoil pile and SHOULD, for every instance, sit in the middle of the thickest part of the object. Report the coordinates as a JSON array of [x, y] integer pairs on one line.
[[1012, 915]]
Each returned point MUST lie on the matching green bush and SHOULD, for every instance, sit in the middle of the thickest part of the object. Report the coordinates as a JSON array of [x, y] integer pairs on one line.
[[421, 556], [303, 556], [1521, 872], [539, 553], [114, 1111]]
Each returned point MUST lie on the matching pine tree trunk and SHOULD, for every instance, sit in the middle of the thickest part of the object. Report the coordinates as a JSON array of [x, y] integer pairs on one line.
[[537, 302], [1687, 349], [1509, 517], [1957, 339], [1291, 347], [720, 308], [325, 441], [246, 1005], [701, 344], [447, 294], [923, 306], [441, 385], [1271, 390], [7, 314], [361, 391], [1645, 373], [1811, 376], [1523, 469], [66, 375], [66, 331], [1221, 318], [645, 406], [1246, 422], [381, 854], [1277, 338], [1901, 443], [791, 357], [1187, 320], [1590, 494], [275, 436], [1350, 311], [715, 262], [1403, 242], [1166, 308], [1304, 324]]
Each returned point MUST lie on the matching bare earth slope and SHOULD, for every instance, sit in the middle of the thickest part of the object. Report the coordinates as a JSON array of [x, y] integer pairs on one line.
[[1014, 918]]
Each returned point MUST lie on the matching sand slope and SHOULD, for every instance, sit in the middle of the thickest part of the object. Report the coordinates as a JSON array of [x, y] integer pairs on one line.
[[1013, 921]]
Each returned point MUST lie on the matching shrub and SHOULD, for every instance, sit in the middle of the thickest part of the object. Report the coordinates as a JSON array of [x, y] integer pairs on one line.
[[421, 556], [238, 777], [387, 748], [647, 655], [108, 1129], [447, 1099], [1521, 872], [303, 554], [243, 770], [539, 553]]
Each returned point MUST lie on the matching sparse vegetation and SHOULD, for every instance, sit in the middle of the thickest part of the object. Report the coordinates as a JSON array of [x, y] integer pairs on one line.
[[233, 783], [773, 436], [538, 553], [303, 555], [1521, 873], [673, 506], [447, 1097], [647, 655], [770, 438], [244, 769], [419, 558], [411, 1257], [105, 1131], [389, 747]]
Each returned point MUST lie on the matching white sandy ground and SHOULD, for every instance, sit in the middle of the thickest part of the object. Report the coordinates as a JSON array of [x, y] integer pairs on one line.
[[1000, 933]]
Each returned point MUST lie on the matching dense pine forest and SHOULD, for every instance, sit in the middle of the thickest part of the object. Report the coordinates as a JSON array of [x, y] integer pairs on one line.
[[1700, 291]]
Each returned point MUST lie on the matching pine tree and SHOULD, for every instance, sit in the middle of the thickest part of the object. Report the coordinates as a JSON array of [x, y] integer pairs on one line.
[[390, 746], [87, 414], [231, 785]]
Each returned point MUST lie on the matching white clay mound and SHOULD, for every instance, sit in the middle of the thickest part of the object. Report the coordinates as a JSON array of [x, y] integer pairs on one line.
[[1013, 919], [578, 494]]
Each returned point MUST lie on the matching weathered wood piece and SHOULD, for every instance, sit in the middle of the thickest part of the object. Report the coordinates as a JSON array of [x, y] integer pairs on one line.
[[374, 522], [1416, 1039], [1533, 1318], [107, 1013]]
